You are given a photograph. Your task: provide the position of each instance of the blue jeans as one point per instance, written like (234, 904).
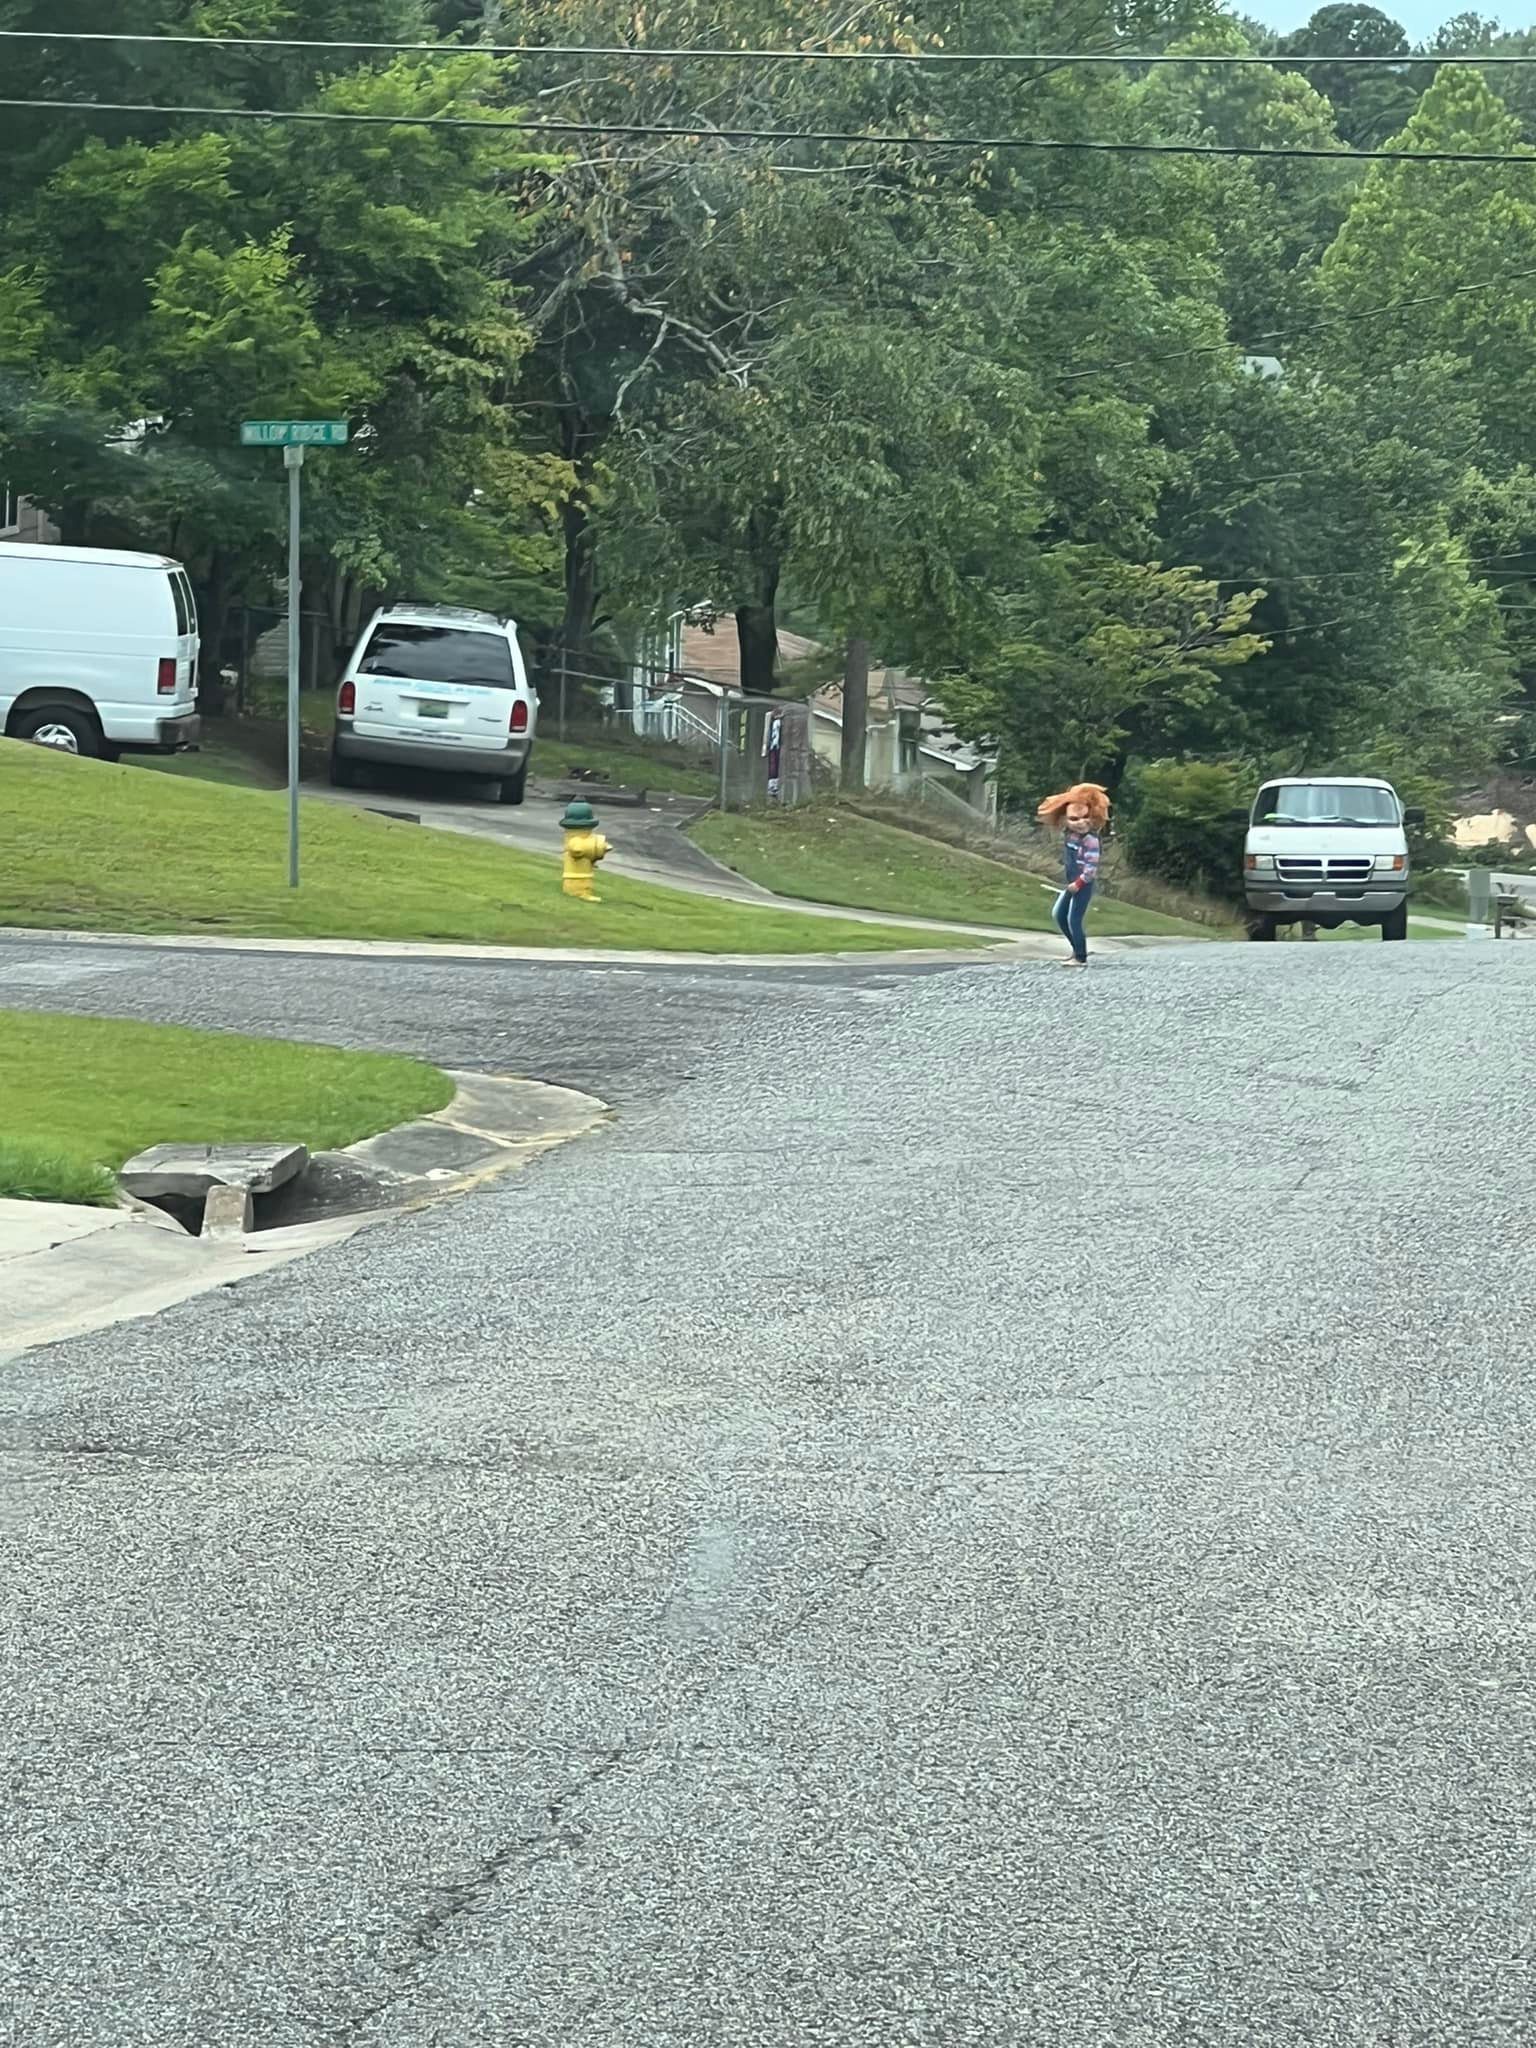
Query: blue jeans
(1069, 914)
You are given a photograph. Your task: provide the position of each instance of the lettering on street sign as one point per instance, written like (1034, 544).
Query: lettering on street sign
(293, 433)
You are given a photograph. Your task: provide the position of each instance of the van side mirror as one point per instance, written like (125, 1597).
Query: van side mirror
(1237, 817)
(1414, 819)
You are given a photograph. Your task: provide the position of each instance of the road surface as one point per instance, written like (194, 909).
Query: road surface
(988, 1506)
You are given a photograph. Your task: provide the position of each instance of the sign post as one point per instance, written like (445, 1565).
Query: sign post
(293, 437)
(293, 462)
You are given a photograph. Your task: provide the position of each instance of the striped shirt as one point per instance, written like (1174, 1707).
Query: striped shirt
(1082, 858)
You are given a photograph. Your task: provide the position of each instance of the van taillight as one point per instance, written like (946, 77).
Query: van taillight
(346, 699)
(165, 681)
(520, 715)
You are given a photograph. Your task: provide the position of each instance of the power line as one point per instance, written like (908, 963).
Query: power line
(846, 138)
(647, 53)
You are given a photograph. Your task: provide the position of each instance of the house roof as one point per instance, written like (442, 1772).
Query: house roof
(712, 654)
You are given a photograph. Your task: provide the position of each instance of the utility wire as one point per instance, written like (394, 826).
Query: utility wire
(646, 53)
(848, 138)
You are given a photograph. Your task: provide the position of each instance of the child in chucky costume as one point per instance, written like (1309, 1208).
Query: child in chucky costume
(1084, 811)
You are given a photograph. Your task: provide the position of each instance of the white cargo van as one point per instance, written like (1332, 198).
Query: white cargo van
(98, 650)
(1328, 850)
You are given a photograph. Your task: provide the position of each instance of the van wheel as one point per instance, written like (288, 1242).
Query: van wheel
(63, 728)
(1395, 924)
(1262, 928)
(343, 771)
(513, 786)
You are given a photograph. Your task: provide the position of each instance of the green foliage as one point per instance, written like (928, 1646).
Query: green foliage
(156, 287)
(1186, 822)
(967, 404)
(1099, 658)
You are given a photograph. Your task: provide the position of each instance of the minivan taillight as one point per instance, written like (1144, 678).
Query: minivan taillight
(346, 699)
(520, 715)
(165, 681)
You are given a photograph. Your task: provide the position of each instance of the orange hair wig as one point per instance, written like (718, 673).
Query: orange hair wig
(1085, 795)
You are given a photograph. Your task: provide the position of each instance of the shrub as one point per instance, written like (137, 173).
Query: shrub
(1185, 821)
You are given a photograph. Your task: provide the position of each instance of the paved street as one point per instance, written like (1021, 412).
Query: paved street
(988, 1506)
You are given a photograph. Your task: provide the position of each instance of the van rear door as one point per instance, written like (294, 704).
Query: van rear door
(452, 684)
(188, 642)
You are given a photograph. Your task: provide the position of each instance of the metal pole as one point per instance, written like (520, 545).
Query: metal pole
(563, 661)
(293, 460)
(725, 729)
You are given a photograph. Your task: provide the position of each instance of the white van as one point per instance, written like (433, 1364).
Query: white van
(438, 687)
(98, 650)
(1328, 850)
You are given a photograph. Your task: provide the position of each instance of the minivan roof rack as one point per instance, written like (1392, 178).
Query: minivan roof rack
(444, 611)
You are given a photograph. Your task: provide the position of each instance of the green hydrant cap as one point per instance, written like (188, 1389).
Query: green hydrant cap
(579, 817)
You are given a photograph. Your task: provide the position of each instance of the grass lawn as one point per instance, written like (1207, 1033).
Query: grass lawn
(82, 1094)
(218, 759)
(630, 764)
(834, 856)
(92, 846)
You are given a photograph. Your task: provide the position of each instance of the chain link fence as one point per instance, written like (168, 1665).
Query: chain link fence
(746, 750)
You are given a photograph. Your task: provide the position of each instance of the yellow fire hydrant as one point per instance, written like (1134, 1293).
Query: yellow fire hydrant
(585, 846)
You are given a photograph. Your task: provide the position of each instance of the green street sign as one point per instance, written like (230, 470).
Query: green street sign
(293, 433)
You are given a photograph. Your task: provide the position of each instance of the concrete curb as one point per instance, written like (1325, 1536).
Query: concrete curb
(1003, 946)
(65, 1271)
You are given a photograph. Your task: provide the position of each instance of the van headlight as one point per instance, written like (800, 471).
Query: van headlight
(1391, 863)
(1261, 864)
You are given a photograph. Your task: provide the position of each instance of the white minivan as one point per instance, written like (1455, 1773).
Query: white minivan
(1328, 850)
(98, 650)
(437, 687)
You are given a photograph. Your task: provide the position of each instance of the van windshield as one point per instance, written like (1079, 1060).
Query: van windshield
(439, 654)
(1325, 803)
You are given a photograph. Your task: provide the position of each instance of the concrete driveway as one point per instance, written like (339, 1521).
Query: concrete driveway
(648, 842)
(989, 1506)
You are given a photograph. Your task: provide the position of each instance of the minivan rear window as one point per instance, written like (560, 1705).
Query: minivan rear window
(1325, 803)
(439, 654)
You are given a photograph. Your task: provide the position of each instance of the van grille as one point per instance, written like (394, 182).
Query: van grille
(1341, 867)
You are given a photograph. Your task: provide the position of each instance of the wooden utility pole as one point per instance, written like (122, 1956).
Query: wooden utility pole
(855, 713)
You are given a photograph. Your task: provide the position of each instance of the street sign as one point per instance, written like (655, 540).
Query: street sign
(293, 437)
(293, 433)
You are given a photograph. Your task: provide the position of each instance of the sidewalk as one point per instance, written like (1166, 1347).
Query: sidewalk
(65, 1270)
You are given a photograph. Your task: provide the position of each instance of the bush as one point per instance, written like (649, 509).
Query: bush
(1185, 821)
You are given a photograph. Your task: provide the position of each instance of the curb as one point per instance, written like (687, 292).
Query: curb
(1006, 946)
(110, 1266)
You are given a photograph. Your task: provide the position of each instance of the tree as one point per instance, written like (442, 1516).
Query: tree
(188, 278)
(1102, 659)
(760, 350)
(1371, 102)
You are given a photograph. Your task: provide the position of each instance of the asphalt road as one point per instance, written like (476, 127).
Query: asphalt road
(986, 1507)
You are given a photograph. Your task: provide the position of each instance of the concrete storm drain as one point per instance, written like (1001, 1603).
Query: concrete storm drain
(228, 1191)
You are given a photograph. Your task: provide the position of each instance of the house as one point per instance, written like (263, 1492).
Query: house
(692, 666)
(21, 520)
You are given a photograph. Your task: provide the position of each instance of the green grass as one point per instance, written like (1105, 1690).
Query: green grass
(89, 846)
(82, 1094)
(633, 764)
(39, 1172)
(219, 759)
(828, 855)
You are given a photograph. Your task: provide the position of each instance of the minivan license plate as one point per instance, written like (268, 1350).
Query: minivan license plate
(431, 710)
